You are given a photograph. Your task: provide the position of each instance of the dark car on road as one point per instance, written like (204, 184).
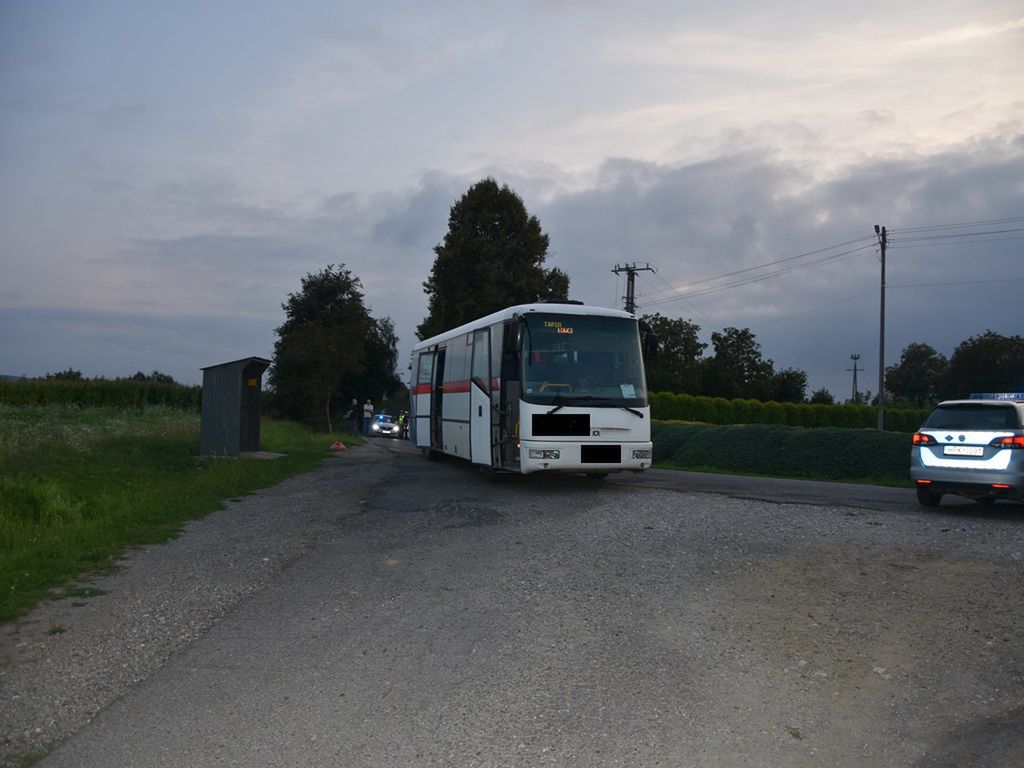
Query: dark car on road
(972, 448)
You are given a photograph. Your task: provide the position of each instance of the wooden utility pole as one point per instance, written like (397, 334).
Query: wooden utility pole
(883, 240)
(631, 270)
(854, 397)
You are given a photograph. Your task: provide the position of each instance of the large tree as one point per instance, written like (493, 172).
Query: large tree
(322, 341)
(915, 378)
(789, 385)
(822, 397)
(377, 379)
(492, 257)
(737, 369)
(987, 363)
(677, 366)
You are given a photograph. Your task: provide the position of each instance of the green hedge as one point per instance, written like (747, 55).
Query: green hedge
(669, 406)
(123, 393)
(778, 450)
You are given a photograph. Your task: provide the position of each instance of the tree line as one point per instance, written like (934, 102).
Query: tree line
(71, 386)
(989, 362)
(736, 369)
(331, 348)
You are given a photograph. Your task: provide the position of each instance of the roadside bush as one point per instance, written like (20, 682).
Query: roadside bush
(827, 453)
(718, 410)
(93, 393)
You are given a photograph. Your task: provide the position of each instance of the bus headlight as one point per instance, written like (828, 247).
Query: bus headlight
(544, 453)
(642, 453)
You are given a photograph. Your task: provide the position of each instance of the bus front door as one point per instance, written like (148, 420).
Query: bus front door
(437, 403)
(480, 399)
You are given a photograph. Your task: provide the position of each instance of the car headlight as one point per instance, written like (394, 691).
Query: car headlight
(642, 453)
(536, 453)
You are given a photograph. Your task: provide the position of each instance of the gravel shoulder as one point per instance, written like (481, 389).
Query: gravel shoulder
(68, 659)
(425, 617)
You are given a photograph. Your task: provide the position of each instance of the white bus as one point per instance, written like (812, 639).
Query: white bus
(536, 387)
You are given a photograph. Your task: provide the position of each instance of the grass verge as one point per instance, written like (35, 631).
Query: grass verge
(79, 486)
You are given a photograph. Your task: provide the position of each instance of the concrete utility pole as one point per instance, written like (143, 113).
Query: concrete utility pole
(883, 240)
(855, 358)
(631, 270)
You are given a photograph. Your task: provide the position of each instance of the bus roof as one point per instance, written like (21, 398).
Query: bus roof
(522, 309)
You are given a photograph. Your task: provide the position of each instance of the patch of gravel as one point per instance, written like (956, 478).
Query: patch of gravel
(68, 659)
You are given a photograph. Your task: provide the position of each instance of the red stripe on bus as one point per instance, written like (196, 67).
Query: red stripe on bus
(452, 387)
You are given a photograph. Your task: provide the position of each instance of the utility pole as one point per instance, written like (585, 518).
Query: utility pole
(631, 270)
(855, 394)
(883, 240)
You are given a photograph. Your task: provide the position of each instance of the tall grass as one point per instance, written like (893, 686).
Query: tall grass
(79, 485)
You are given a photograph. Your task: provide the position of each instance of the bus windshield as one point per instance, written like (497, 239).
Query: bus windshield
(582, 360)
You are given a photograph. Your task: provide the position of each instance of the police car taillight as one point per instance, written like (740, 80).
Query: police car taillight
(922, 439)
(1016, 441)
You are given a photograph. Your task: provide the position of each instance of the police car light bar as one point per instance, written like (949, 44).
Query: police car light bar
(997, 396)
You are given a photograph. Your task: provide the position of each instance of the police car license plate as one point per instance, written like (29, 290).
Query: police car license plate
(964, 450)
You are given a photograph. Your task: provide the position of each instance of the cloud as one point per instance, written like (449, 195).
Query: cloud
(109, 343)
(702, 139)
(213, 295)
(696, 221)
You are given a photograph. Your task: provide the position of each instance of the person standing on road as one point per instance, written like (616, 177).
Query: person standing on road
(367, 416)
(353, 417)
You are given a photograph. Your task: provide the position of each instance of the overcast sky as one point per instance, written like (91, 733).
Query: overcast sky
(170, 171)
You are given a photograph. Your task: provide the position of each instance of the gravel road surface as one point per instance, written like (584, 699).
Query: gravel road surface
(386, 610)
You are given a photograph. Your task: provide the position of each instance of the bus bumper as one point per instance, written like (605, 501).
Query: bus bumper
(550, 456)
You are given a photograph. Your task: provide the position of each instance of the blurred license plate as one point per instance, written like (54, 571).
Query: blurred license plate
(964, 450)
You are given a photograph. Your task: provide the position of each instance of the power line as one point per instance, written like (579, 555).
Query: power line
(693, 309)
(958, 235)
(816, 309)
(985, 223)
(672, 293)
(761, 278)
(875, 290)
(815, 252)
(944, 244)
(915, 241)
(958, 282)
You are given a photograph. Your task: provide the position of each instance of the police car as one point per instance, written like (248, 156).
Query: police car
(384, 424)
(972, 448)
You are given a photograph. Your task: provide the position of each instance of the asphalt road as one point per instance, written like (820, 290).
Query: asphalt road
(420, 615)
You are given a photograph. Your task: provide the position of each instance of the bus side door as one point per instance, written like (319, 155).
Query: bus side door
(480, 399)
(422, 397)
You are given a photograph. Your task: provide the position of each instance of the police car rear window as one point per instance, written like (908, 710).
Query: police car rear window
(980, 417)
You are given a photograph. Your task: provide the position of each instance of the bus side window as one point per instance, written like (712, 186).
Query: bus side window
(482, 360)
(426, 368)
